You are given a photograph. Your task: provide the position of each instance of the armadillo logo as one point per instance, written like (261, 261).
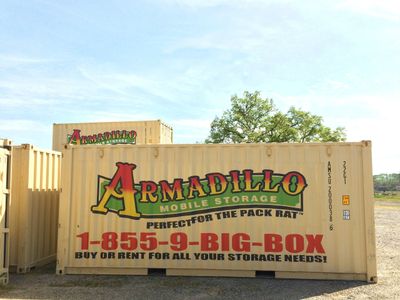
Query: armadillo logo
(108, 137)
(214, 192)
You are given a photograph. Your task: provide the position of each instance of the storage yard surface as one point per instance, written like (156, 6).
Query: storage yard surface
(44, 284)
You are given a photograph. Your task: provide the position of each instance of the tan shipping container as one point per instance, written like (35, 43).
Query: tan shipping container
(34, 207)
(5, 196)
(131, 132)
(298, 210)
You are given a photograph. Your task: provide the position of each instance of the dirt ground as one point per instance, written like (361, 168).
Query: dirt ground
(44, 284)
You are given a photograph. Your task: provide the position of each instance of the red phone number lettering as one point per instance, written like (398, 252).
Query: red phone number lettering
(207, 241)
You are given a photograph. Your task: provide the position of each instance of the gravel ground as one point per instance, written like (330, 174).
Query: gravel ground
(44, 284)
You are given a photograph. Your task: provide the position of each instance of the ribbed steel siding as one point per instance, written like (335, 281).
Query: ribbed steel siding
(166, 134)
(148, 132)
(5, 180)
(34, 209)
(349, 246)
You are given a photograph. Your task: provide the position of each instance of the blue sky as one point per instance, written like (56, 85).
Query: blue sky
(181, 61)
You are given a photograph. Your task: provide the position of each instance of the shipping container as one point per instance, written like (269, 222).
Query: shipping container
(34, 207)
(5, 196)
(296, 210)
(131, 132)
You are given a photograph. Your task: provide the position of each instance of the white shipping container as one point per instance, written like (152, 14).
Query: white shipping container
(298, 210)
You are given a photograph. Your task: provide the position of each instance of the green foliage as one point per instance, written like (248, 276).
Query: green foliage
(386, 182)
(252, 119)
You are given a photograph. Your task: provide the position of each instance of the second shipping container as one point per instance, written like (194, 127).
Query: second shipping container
(34, 207)
(130, 132)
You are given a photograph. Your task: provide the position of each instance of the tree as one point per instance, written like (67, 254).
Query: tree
(252, 119)
(387, 182)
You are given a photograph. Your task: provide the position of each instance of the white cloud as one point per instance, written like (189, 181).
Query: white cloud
(365, 117)
(241, 36)
(113, 81)
(178, 87)
(15, 102)
(244, 40)
(337, 85)
(22, 125)
(213, 3)
(13, 60)
(385, 146)
(107, 116)
(190, 130)
(192, 123)
(24, 131)
(122, 82)
(46, 87)
(386, 9)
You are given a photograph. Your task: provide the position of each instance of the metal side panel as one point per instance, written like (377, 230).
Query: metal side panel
(34, 209)
(5, 196)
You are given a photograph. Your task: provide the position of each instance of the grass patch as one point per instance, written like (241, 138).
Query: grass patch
(389, 196)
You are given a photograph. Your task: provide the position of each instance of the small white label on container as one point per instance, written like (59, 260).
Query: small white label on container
(346, 214)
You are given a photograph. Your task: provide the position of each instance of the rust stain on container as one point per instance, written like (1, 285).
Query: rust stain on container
(34, 207)
(227, 210)
(131, 132)
(5, 196)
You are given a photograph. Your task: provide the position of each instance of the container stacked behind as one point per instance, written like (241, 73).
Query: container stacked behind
(146, 132)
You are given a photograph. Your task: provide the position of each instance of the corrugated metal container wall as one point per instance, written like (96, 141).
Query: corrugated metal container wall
(34, 207)
(5, 180)
(166, 134)
(299, 210)
(132, 132)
